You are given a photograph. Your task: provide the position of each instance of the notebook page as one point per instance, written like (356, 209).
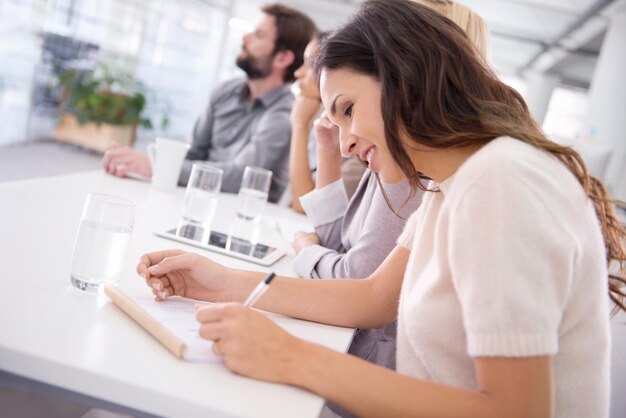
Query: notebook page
(179, 316)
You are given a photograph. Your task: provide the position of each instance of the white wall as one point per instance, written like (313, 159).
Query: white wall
(606, 117)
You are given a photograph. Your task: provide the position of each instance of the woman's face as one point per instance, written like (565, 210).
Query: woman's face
(352, 102)
(305, 75)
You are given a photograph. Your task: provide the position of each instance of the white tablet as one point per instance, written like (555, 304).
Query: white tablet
(222, 243)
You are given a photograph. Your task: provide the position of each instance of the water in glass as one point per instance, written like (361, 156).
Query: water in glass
(251, 204)
(199, 207)
(99, 255)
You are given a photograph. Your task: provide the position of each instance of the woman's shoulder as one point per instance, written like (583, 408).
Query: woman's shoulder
(508, 171)
(507, 154)
(517, 163)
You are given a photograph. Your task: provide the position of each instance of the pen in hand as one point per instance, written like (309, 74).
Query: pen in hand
(259, 290)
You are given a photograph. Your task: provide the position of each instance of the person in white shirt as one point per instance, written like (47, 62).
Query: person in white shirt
(353, 237)
(500, 280)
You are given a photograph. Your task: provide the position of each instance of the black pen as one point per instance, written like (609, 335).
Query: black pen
(259, 290)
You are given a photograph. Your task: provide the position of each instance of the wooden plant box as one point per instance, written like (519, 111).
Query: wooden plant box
(93, 136)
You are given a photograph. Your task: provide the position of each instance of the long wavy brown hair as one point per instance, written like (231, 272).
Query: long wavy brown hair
(436, 89)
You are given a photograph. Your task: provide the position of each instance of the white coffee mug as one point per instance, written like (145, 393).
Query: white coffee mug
(166, 157)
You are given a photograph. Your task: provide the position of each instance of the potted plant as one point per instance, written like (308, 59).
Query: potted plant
(100, 108)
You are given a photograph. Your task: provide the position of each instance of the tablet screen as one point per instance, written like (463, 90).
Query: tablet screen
(223, 241)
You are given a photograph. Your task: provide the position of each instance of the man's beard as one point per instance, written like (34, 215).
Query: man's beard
(255, 68)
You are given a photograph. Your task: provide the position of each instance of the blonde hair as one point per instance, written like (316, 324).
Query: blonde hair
(468, 20)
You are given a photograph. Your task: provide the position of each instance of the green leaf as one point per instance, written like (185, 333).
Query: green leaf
(165, 122)
(146, 123)
(108, 95)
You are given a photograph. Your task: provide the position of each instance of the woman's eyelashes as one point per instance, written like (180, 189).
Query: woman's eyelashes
(348, 112)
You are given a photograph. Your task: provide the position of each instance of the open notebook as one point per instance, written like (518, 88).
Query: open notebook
(172, 322)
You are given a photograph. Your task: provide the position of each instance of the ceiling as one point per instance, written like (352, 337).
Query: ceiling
(557, 36)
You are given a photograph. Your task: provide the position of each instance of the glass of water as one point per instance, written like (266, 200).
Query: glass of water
(255, 187)
(203, 189)
(102, 242)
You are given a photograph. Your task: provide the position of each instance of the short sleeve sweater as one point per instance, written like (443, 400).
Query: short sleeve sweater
(508, 260)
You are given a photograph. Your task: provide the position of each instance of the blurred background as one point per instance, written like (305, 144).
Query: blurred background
(567, 57)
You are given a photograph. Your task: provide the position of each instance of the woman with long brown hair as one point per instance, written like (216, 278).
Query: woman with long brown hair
(499, 281)
(352, 238)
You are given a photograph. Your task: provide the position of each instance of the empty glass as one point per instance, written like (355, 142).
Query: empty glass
(102, 242)
(255, 187)
(203, 189)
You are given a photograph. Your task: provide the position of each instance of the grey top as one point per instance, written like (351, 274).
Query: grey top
(354, 245)
(234, 133)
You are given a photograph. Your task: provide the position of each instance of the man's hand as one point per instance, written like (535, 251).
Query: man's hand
(126, 162)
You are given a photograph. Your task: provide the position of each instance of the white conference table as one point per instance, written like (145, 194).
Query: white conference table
(53, 333)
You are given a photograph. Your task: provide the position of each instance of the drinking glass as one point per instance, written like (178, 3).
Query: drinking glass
(203, 188)
(102, 242)
(255, 187)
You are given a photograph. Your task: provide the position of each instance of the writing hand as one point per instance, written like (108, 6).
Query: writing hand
(251, 344)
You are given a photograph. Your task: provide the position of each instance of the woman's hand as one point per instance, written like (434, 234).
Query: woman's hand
(327, 135)
(328, 152)
(303, 239)
(176, 272)
(251, 344)
(304, 110)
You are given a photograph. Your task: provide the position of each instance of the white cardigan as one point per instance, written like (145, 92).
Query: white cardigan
(508, 261)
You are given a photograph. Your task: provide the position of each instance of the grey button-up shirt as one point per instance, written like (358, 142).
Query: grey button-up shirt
(234, 133)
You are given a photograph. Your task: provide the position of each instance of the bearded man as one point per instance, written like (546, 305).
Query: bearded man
(247, 120)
